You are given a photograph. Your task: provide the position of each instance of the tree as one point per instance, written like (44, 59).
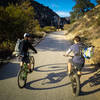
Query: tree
(73, 16)
(16, 20)
(81, 7)
(7, 2)
(98, 1)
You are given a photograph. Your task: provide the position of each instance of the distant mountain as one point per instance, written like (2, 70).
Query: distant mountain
(45, 15)
(65, 20)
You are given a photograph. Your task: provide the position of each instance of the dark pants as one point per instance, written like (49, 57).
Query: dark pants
(78, 65)
(25, 59)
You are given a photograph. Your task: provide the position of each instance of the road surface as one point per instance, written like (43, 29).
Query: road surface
(49, 81)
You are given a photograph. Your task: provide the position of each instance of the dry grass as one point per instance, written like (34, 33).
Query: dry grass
(89, 29)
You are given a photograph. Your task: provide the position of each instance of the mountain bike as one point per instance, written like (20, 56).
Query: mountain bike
(23, 72)
(75, 79)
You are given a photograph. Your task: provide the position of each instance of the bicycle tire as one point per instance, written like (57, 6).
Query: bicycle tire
(75, 85)
(32, 62)
(21, 79)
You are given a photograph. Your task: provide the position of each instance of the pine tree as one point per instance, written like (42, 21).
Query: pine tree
(98, 1)
(82, 6)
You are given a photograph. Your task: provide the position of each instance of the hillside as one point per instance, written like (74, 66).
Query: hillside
(45, 15)
(87, 27)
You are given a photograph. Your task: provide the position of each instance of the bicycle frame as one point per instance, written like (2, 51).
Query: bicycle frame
(22, 76)
(23, 72)
(75, 80)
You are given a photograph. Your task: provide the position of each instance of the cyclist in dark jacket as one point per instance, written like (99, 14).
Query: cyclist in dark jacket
(24, 50)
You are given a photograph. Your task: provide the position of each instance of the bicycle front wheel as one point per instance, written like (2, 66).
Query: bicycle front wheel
(75, 85)
(32, 62)
(22, 77)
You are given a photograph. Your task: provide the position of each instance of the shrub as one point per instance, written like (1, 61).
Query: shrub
(7, 45)
(6, 48)
(98, 21)
(49, 29)
(73, 26)
(16, 20)
(96, 57)
(66, 26)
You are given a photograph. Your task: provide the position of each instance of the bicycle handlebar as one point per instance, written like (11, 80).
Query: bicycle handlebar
(68, 56)
(16, 54)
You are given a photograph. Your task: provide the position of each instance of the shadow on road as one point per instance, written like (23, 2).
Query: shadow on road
(57, 74)
(52, 44)
(9, 70)
(51, 78)
(88, 69)
(51, 67)
(55, 77)
(92, 81)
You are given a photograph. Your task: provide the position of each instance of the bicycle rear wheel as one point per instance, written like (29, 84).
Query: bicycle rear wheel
(32, 62)
(75, 85)
(22, 78)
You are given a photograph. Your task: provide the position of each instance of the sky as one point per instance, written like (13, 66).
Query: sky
(61, 7)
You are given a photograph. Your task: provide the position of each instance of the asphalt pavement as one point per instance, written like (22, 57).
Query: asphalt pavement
(49, 80)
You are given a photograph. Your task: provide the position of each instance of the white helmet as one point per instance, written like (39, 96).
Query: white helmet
(26, 35)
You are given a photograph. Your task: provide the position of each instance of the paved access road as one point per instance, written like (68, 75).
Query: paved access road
(49, 81)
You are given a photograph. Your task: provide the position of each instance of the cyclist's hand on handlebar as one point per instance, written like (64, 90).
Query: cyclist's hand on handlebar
(65, 55)
(36, 52)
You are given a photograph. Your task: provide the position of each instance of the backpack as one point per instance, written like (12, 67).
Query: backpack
(18, 47)
(88, 52)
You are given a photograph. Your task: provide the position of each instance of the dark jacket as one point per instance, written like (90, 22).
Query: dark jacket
(25, 46)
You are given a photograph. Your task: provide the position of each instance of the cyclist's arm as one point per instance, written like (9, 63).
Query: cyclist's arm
(68, 52)
(31, 47)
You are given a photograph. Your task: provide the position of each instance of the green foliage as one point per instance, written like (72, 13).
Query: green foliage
(98, 21)
(49, 29)
(80, 8)
(73, 17)
(8, 45)
(38, 28)
(98, 1)
(67, 26)
(14, 22)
